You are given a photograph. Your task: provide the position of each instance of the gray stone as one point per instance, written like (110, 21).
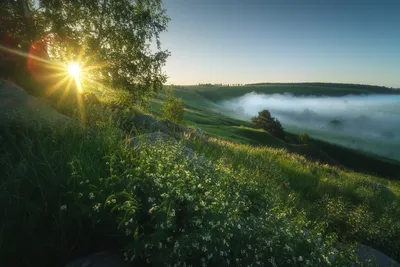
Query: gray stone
(370, 255)
(149, 122)
(17, 106)
(381, 188)
(101, 259)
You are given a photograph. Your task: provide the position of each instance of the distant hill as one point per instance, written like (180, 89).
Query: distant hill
(371, 88)
(218, 93)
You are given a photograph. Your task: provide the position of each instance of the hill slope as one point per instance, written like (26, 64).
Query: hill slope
(69, 190)
(204, 113)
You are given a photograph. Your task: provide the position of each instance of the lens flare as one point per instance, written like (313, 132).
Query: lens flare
(74, 70)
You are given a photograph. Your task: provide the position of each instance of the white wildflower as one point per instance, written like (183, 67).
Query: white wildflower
(63, 207)
(97, 207)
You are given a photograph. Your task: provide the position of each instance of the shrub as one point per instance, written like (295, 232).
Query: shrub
(173, 108)
(265, 121)
(304, 138)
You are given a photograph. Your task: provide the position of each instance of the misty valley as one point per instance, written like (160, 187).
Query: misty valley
(370, 123)
(199, 133)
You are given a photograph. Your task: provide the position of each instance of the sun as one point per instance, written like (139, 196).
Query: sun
(74, 70)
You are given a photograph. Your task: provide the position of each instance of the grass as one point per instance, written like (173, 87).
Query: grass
(201, 112)
(69, 190)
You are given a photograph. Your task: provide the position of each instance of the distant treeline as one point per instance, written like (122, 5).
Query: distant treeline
(218, 84)
(337, 85)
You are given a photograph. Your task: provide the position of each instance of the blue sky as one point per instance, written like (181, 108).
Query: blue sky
(232, 41)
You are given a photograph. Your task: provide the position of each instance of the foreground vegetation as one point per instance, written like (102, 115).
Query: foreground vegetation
(69, 190)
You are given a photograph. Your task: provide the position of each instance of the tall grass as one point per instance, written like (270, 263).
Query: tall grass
(357, 207)
(68, 190)
(72, 189)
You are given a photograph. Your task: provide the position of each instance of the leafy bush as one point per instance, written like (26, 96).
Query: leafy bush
(304, 138)
(173, 109)
(265, 121)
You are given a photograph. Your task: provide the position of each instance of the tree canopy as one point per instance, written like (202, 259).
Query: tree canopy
(118, 41)
(265, 121)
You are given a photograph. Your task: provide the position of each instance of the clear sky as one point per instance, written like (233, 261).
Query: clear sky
(246, 41)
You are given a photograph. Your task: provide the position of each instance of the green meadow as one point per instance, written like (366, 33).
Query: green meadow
(243, 198)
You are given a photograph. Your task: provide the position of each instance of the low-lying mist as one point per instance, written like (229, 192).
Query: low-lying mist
(367, 122)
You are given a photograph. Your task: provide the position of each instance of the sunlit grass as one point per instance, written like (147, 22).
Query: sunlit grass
(71, 189)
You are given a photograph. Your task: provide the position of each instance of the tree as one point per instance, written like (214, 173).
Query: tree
(265, 121)
(304, 138)
(173, 108)
(113, 38)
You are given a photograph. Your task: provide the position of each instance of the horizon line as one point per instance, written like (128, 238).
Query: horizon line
(278, 83)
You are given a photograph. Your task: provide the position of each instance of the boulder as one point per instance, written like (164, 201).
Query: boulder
(382, 189)
(101, 259)
(149, 122)
(369, 255)
(17, 106)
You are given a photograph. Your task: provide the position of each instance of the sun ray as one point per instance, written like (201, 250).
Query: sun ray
(56, 86)
(24, 54)
(66, 90)
(71, 73)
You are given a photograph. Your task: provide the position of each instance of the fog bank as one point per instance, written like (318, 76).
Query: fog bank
(368, 122)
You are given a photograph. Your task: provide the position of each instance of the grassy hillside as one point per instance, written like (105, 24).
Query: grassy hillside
(73, 189)
(203, 113)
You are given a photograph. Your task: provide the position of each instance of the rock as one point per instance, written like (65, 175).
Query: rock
(149, 122)
(370, 255)
(197, 134)
(101, 259)
(16, 105)
(382, 189)
(173, 126)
